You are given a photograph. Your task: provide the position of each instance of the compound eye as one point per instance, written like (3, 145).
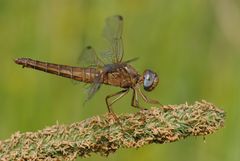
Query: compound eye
(150, 80)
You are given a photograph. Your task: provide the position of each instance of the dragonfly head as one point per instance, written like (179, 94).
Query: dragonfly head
(150, 80)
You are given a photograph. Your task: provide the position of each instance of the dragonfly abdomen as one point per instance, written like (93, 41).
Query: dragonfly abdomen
(86, 75)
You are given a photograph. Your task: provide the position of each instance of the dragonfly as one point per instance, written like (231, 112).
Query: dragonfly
(108, 68)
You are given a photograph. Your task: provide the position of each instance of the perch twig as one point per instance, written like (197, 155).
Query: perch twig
(104, 135)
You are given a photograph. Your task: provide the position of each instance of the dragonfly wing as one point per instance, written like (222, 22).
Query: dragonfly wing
(89, 58)
(113, 33)
(107, 56)
(95, 86)
(91, 90)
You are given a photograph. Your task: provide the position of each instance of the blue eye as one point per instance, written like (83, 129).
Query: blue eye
(150, 80)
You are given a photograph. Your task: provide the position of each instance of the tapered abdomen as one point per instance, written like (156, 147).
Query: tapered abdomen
(86, 75)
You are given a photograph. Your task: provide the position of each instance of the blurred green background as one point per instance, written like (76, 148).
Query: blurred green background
(194, 46)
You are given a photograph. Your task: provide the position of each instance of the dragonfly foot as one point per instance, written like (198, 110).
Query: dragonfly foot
(114, 116)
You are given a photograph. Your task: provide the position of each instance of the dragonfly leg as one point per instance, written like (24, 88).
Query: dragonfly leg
(120, 93)
(135, 102)
(146, 99)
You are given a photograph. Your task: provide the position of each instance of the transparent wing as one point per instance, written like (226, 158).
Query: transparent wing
(106, 56)
(113, 33)
(91, 90)
(89, 58)
(95, 86)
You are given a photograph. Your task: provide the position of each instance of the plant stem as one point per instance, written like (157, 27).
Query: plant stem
(105, 134)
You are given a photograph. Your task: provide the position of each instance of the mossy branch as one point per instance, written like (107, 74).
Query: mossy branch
(104, 135)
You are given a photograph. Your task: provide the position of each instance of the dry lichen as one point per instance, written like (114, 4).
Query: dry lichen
(104, 135)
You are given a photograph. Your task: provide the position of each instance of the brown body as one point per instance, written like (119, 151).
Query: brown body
(125, 76)
(117, 73)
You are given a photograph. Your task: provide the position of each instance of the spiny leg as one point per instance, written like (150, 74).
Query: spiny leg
(120, 93)
(135, 102)
(146, 99)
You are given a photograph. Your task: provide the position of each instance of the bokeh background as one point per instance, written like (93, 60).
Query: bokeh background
(194, 46)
